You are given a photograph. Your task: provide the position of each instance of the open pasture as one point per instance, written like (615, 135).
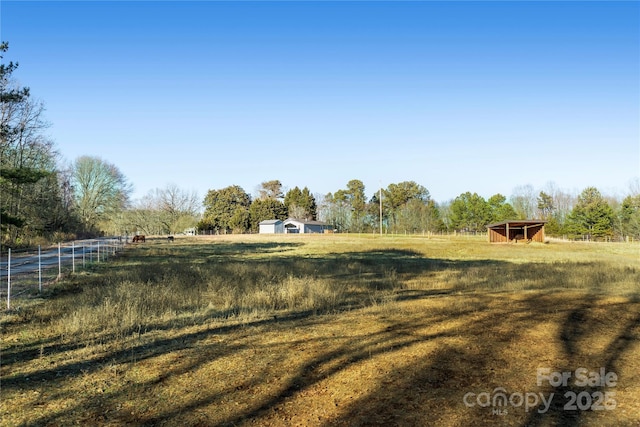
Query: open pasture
(331, 330)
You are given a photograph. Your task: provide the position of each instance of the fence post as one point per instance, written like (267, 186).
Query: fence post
(73, 257)
(83, 256)
(39, 269)
(98, 250)
(9, 279)
(59, 261)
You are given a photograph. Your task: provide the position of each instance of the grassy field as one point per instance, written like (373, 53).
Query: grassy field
(332, 330)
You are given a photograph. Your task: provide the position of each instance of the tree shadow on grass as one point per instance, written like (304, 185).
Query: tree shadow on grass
(469, 368)
(332, 266)
(587, 392)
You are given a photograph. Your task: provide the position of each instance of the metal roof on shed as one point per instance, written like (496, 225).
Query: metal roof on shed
(517, 223)
(269, 222)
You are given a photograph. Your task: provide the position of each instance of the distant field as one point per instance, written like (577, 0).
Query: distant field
(332, 330)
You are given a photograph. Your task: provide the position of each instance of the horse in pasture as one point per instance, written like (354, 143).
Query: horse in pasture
(170, 239)
(139, 238)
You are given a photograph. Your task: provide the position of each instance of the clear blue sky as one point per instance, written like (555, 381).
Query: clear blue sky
(457, 96)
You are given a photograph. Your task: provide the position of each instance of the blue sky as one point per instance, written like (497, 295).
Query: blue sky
(457, 96)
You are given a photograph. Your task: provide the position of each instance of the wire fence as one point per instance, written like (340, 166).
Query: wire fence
(29, 272)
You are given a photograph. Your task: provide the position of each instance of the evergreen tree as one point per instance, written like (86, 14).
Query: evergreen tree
(358, 204)
(226, 210)
(630, 216)
(591, 216)
(265, 209)
(545, 205)
(300, 204)
(470, 212)
(500, 210)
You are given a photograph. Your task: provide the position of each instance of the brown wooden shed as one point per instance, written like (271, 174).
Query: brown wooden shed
(528, 230)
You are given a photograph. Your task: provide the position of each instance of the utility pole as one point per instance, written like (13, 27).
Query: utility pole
(380, 210)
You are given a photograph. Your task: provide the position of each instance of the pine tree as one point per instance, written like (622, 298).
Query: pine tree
(630, 216)
(592, 216)
(470, 212)
(500, 210)
(300, 204)
(265, 209)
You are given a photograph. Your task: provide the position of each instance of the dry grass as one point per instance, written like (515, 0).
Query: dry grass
(326, 330)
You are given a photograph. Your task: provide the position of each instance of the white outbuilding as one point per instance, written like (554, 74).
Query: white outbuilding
(303, 226)
(271, 226)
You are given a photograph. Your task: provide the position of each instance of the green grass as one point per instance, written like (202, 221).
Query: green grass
(136, 333)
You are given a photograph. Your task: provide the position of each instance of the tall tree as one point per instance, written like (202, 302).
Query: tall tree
(179, 208)
(164, 210)
(10, 177)
(346, 209)
(394, 201)
(100, 191)
(226, 210)
(630, 216)
(397, 195)
(469, 212)
(524, 201)
(300, 204)
(271, 190)
(548, 211)
(265, 209)
(418, 216)
(559, 207)
(27, 163)
(500, 210)
(357, 201)
(546, 206)
(373, 214)
(591, 216)
(444, 210)
(336, 210)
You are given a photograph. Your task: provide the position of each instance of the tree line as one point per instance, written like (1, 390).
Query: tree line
(407, 207)
(43, 200)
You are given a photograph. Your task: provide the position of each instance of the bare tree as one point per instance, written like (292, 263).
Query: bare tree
(562, 200)
(100, 191)
(166, 210)
(525, 201)
(179, 208)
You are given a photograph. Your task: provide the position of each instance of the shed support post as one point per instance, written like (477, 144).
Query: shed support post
(507, 228)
